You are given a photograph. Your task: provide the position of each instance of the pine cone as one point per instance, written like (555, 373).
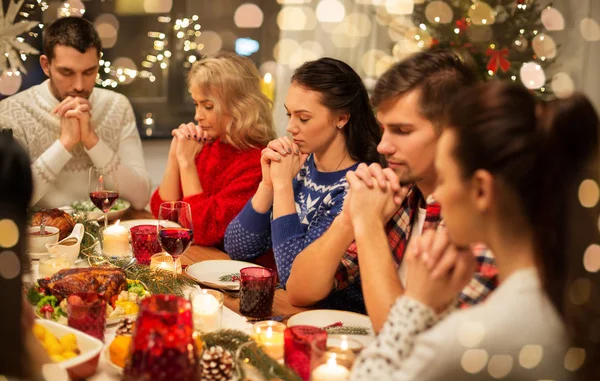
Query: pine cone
(216, 364)
(125, 327)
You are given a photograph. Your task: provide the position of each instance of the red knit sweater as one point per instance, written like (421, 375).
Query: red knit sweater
(229, 178)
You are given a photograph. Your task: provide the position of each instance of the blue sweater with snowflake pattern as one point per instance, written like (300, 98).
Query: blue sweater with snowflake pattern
(319, 198)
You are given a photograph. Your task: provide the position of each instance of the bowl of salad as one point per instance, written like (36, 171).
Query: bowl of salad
(93, 213)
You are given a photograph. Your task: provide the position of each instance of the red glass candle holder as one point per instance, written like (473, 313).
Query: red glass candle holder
(144, 241)
(87, 313)
(257, 289)
(298, 343)
(163, 347)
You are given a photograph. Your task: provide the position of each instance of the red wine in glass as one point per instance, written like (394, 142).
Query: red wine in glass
(175, 241)
(175, 228)
(104, 200)
(103, 189)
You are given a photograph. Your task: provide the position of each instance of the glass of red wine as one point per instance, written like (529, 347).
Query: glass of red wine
(103, 188)
(174, 239)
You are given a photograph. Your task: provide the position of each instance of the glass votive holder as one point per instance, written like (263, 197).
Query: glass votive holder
(299, 341)
(327, 365)
(114, 241)
(144, 242)
(342, 343)
(87, 313)
(162, 261)
(53, 263)
(257, 289)
(163, 345)
(269, 336)
(207, 309)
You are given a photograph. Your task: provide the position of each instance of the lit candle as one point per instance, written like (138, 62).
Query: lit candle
(269, 334)
(207, 307)
(163, 261)
(115, 241)
(52, 264)
(330, 371)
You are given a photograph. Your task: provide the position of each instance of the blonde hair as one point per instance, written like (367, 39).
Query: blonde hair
(235, 83)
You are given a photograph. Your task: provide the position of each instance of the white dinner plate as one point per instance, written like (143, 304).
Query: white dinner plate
(323, 318)
(131, 223)
(209, 272)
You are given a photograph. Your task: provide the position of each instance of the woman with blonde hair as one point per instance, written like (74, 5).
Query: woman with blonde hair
(214, 165)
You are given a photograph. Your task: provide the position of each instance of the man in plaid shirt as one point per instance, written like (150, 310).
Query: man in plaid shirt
(410, 99)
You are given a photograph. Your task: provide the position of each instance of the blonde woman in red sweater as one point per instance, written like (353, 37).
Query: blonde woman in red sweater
(214, 164)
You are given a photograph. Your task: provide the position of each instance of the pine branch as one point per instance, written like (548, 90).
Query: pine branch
(233, 340)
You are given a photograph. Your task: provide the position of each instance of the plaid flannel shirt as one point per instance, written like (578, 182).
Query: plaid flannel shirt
(398, 231)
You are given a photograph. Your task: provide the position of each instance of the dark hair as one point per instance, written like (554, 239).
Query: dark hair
(437, 73)
(16, 187)
(538, 151)
(342, 90)
(74, 32)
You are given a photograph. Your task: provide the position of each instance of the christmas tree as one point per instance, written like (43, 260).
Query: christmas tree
(506, 38)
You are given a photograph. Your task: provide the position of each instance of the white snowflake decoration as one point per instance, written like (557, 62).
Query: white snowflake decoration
(11, 45)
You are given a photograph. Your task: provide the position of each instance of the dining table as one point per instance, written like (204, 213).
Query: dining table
(281, 304)
(231, 318)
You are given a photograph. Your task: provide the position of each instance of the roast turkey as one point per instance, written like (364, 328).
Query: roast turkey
(107, 281)
(54, 217)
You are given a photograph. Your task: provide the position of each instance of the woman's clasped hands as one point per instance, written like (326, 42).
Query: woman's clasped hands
(281, 161)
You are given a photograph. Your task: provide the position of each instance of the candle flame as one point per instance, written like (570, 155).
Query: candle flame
(101, 181)
(331, 362)
(269, 333)
(344, 343)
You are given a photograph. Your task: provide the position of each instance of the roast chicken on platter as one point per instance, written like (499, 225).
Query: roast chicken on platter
(103, 280)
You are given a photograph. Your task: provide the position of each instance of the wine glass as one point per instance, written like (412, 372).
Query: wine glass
(175, 240)
(103, 188)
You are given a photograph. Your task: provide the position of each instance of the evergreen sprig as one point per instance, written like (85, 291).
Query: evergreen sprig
(249, 352)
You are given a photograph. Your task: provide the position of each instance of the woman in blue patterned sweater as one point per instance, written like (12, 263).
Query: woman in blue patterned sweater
(303, 186)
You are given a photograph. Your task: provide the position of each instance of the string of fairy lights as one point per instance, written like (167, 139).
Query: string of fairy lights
(185, 31)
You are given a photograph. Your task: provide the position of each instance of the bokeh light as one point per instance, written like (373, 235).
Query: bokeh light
(531, 356)
(10, 82)
(580, 291)
(107, 26)
(399, 7)
(471, 333)
(10, 265)
(248, 15)
(544, 46)
(9, 233)
(562, 85)
(474, 360)
(481, 13)
(439, 12)
(552, 19)
(532, 75)
(574, 359)
(589, 193)
(590, 29)
(330, 11)
(591, 258)
(500, 366)
(158, 6)
(209, 42)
